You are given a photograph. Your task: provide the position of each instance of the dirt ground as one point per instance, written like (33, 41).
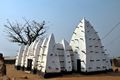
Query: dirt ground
(21, 75)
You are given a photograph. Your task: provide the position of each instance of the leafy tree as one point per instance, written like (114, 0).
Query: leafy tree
(25, 33)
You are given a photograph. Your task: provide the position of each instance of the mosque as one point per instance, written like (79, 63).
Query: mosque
(84, 54)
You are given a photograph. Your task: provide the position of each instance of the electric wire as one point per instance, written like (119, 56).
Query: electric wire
(113, 40)
(111, 31)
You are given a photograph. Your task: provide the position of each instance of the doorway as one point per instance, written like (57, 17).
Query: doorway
(78, 65)
(29, 64)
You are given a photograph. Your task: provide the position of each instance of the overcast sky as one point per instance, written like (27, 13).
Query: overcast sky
(62, 16)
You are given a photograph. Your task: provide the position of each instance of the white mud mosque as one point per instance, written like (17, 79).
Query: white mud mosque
(84, 54)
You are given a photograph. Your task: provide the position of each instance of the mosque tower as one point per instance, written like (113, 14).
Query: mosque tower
(89, 54)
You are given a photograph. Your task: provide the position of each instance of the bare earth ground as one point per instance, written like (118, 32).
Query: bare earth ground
(20, 75)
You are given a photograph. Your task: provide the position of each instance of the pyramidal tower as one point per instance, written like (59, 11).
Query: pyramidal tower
(67, 56)
(89, 54)
(30, 56)
(37, 49)
(19, 57)
(24, 56)
(49, 60)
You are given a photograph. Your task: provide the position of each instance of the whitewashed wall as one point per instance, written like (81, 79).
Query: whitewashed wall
(87, 47)
(19, 56)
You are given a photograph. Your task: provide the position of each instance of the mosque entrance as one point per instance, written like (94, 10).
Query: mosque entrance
(78, 65)
(29, 64)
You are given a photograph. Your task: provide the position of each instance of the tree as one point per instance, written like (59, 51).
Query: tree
(25, 33)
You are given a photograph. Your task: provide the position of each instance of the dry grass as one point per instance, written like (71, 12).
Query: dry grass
(20, 75)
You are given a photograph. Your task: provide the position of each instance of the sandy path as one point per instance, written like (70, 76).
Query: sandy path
(20, 75)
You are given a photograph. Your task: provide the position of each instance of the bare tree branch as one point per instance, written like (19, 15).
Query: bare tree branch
(26, 33)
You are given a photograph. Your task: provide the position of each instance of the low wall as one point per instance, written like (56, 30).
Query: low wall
(10, 61)
(116, 62)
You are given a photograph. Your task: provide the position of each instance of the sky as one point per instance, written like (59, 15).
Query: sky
(61, 17)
